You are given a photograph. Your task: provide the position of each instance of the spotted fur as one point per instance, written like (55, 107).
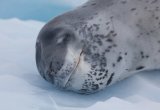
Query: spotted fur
(99, 44)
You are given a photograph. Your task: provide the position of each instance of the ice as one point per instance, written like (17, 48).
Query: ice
(22, 88)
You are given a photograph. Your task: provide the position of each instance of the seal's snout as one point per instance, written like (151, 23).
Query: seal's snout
(57, 53)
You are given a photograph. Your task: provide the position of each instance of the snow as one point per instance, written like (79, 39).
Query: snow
(22, 88)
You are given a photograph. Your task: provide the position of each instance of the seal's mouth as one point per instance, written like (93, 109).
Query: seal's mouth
(74, 69)
(64, 75)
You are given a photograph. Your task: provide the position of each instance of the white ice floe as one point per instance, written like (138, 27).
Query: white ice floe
(22, 88)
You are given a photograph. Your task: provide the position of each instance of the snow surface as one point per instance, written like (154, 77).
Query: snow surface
(22, 88)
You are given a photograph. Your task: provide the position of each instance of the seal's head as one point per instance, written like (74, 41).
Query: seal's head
(98, 44)
(71, 51)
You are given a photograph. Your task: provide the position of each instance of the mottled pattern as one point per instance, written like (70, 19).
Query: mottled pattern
(100, 43)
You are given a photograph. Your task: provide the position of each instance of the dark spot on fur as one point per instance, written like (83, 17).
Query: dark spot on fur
(107, 23)
(111, 17)
(89, 75)
(157, 8)
(93, 4)
(95, 87)
(95, 56)
(147, 56)
(99, 42)
(84, 6)
(123, 2)
(103, 62)
(148, 33)
(119, 59)
(141, 34)
(105, 75)
(95, 73)
(157, 18)
(112, 31)
(99, 78)
(96, 26)
(96, 13)
(145, 8)
(154, 1)
(133, 9)
(109, 40)
(96, 70)
(110, 79)
(93, 66)
(140, 67)
(100, 74)
(107, 50)
(91, 17)
(89, 29)
(142, 54)
(102, 70)
(115, 34)
(110, 47)
(113, 64)
(114, 45)
(151, 31)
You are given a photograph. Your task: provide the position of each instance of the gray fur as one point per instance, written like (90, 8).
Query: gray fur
(100, 43)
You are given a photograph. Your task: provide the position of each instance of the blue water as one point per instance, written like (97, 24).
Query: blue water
(41, 10)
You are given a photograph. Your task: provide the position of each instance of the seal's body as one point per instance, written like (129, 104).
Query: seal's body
(100, 43)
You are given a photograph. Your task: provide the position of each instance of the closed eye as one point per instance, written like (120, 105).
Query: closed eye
(64, 38)
(60, 40)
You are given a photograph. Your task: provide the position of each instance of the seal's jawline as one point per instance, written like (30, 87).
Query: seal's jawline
(74, 69)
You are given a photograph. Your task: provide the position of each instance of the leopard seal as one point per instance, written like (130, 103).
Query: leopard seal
(99, 43)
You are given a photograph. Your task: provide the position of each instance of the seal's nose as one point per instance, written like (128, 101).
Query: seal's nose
(56, 54)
